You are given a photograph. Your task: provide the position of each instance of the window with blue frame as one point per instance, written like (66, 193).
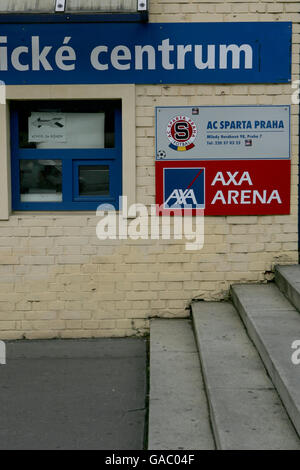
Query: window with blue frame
(66, 155)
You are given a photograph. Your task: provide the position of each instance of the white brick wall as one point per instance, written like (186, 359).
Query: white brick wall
(58, 280)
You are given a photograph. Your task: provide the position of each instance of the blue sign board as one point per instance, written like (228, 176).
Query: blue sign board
(257, 52)
(184, 188)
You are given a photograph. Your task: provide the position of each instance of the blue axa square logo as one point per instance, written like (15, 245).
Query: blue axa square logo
(184, 188)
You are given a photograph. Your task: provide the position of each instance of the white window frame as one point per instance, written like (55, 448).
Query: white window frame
(125, 93)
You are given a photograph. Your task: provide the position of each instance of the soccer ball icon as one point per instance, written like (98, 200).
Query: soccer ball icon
(161, 154)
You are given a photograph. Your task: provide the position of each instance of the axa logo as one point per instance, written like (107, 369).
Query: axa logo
(184, 188)
(179, 197)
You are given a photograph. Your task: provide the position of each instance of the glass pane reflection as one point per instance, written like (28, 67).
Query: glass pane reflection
(41, 180)
(93, 180)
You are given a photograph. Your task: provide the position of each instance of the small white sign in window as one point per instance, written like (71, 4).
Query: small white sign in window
(47, 127)
(82, 130)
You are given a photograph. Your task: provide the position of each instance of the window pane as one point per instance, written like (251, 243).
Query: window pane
(41, 180)
(66, 130)
(67, 124)
(93, 180)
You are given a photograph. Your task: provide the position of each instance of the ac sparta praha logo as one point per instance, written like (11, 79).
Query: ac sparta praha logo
(181, 132)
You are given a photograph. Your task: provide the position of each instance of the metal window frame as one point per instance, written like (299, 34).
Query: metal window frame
(69, 157)
(113, 186)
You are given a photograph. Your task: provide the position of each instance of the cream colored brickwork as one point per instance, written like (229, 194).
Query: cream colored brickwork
(58, 280)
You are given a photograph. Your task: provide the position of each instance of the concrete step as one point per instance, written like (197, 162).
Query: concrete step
(287, 279)
(273, 324)
(178, 411)
(246, 412)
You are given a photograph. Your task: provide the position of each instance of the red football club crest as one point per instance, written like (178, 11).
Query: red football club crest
(181, 132)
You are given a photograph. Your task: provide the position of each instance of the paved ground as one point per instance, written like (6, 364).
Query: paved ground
(73, 394)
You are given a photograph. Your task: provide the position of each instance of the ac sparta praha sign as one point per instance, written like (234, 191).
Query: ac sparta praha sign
(223, 187)
(222, 132)
(181, 132)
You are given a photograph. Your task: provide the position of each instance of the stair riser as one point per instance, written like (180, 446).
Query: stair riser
(245, 409)
(289, 291)
(271, 368)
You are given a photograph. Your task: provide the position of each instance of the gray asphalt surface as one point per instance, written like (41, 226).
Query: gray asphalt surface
(73, 394)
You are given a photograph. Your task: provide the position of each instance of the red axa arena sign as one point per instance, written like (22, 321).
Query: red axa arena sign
(231, 187)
